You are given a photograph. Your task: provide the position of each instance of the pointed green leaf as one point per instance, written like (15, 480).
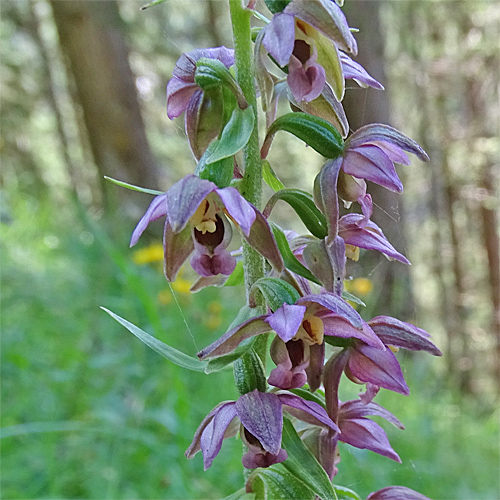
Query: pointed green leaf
(152, 4)
(321, 135)
(303, 464)
(276, 292)
(344, 493)
(234, 136)
(289, 259)
(270, 177)
(352, 298)
(277, 483)
(276, 6)
(132, 187)
(177, 357)
(303, 204)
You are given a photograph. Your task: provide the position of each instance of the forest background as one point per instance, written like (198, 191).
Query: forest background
(90, 412)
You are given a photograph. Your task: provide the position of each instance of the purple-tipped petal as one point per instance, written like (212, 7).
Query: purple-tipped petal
(325, 16)
(279, 37)
(366, 234)
(307, 411)
(396, 493)
(378, 367)
(357, 409)
(157, 209)
(367, 435)
(184, 198)
(261, 239)
(394, 152)
(384, 133)
(185, 68)
(336, 326)
(238, 208)
(233, 338)
(286, 320)
(333, 305)
(392, 331)
(261, 413)
(354, 71)
(177, 248)
(331, 380)
(215, 432)
(371, 163)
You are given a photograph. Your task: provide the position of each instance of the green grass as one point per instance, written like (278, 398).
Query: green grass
(90, 412)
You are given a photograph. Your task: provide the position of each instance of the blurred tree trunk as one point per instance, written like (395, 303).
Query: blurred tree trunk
(90, 34)
(365, 106)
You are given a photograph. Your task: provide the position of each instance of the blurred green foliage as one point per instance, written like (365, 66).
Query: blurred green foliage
(90, 412)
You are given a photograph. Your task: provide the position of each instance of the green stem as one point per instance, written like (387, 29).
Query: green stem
(253, 262)
(252, 185)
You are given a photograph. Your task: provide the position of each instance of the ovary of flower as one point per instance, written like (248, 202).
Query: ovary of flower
(311, 331)
(204, 219)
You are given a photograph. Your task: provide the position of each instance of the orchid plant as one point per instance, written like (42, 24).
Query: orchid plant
(289, 417)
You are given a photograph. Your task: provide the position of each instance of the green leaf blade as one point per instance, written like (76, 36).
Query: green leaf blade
(126, 185)
(302, 464)
(173, 355)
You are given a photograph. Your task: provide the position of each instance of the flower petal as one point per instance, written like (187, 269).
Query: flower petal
(157, 209)
(286, 320)
(354, 71)
(179, 94)
(396, 493)
(366, 234)
(195, 445)
(261, 239)
(325, 16)
(215, 432)
(334, 305)
(336, 326)
(378, 367)
(371, 163)
(392, 331)
(367, 435)
(291, 359)
(261, 413)
(305, 82)
(314, 371)
(238, 208)
(177, 248)
(233, 338)
(307, 411)
(357, 409)
(183, 199)
(279, 37)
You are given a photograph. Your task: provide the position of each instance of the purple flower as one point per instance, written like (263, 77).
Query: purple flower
(197, 214)
(305, 36)
(371, 152)
(304, 323)
(362, 363)
(204, 110)
(182, 87)
(261, 417)
(359, 233)
(363, 433)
